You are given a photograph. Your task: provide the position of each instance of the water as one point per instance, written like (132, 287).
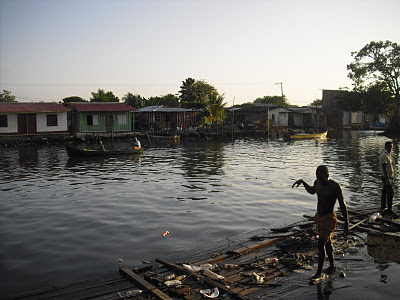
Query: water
(64, 220)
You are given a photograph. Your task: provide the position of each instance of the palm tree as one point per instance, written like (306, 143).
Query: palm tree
(188, 91)
(215, 107)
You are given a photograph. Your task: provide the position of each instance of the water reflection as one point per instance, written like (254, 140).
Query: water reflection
(102, 209)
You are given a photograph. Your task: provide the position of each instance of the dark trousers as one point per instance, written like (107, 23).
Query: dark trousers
(387, 194)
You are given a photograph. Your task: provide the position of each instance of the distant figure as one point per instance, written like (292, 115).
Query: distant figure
(102, 146)
(136, 144)
(328, 191)
(387, 174)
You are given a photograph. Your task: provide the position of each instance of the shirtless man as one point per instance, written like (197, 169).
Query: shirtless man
(328, 191)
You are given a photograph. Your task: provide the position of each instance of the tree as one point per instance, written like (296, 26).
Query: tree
(101, 96)
(194, 93)
(373, 100)
(378, 63)
(215, 107)
(316, 103)
(169, 100)
(275, 100)
(73, 99)
(6, 96)
(135, 101)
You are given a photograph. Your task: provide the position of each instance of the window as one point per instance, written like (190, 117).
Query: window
(52, 120)
(122, 120)
(157, 118)
(3, 121)
(92, 120)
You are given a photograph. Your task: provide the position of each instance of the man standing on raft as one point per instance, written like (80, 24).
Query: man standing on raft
(328, 191)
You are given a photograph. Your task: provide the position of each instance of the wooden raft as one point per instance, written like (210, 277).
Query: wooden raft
(239, 267)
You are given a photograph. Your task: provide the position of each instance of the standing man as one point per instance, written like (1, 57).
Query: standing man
(387, 174)
(328, 191)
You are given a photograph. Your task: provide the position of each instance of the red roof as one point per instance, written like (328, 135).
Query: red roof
(101, 106)
(20, 107)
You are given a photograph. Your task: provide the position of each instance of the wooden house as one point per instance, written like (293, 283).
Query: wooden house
(23, 119)
(101, 118)
(162, 118)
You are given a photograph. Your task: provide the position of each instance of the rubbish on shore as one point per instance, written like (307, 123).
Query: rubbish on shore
(212, 275)
(146, 262)
(259, 279)
(342, 274)
(271, 261)
(214, 293)
(169, 277)
(231, 266)
(129, 294)
(172, 282)
(165, 233)
(181, 277)
(375, 216)
(120, 260)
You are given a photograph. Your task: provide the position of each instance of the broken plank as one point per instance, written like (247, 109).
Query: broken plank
(202, 277)
(143, 283)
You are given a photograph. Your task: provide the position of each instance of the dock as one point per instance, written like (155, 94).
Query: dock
(262, 264)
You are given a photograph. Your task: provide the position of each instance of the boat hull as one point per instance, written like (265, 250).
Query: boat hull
(76, 152)
(310, 135)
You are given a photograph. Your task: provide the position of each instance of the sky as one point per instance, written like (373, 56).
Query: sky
(53, 49)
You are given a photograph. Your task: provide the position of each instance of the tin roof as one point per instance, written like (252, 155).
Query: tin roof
(162, 108)
(100, 106)
(31, 107)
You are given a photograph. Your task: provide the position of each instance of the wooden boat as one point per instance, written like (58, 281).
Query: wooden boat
(76, 152)
(321, 135)
(378, 126)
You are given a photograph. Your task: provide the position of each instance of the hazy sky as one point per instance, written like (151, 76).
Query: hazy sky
(52, 49)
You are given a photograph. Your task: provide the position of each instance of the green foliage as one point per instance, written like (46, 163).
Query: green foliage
(195, 93)
(275, 100)
(376, 71)
(6, 96)
(169, 100)
(215, 107)
(316, 103)
(73, 99)
(374, 100)
(135, 101)
(101, 96)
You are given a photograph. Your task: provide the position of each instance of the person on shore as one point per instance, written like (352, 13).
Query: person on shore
(136, 144)
(387, 174)
(328, 191)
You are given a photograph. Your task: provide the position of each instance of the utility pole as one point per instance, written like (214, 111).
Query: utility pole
(281, 83)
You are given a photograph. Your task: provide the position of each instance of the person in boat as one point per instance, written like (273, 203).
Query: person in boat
(328, 191)
(387, 174)
(136, 144)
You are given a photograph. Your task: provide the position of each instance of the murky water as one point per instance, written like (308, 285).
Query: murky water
(64, 220)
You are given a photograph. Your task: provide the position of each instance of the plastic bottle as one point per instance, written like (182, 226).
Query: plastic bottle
(374, 217)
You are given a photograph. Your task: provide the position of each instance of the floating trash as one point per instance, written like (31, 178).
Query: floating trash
(374, 217)
(165, 233)
(257, 278)
(172, 282)
(214, 293)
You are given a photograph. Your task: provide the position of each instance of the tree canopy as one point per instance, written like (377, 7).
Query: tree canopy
(377, 66)
(101, 96)
(195, 93)
(135, 101)
(275, 100)
(6, 96)
(73, 99)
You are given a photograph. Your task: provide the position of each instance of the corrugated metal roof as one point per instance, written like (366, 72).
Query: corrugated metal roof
(101, 106)
(162, 108)
(31, 107)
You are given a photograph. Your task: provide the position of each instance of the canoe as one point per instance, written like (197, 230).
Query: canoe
(76, 152)
(321, 135)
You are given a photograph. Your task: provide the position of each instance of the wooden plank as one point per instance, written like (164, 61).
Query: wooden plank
(199, 276)
(143, 283)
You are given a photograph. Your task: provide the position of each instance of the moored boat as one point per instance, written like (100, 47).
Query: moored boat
(321, 135)
(76, 152)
